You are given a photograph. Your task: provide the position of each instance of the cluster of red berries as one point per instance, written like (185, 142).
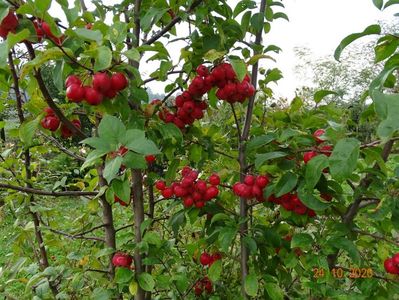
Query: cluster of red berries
(207, 259)
(123, 260)
(203, 285)
(291, 202)
(192, 191)
(102, 86)
(230, 89)
(190, 107)
(321, 149)
(252, 187)
(43, 31)
(391, 264)
(51, 122)
(8, 24)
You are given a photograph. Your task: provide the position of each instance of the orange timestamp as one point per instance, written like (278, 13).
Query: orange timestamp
(353, 273)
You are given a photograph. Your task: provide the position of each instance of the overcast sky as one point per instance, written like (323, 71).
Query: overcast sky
(316, 24)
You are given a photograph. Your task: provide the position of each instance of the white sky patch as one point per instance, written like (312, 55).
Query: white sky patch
(319, 25)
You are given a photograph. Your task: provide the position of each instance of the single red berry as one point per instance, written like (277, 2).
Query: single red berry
(326, 150)
(395, 259)
(10, 22)
(101, 82)
(167, 193)
(307, 156)
(160, 185)
(317, 135)
(72, 79)
(122, 260)
(188, 201)
(75, 92)
(49, 111)
(390, 266)
(51, 123)
(326, 197)
(262, 181)
(202, 71)
(214, 179)
(211, 193)
(205, 259)
(185, 171)
(249, 180)
(199, 204)
(119, 81)
(150, 158)
(92, 96)
(200, 186)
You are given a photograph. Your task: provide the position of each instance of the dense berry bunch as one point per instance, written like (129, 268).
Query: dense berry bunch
(103, 86)
(207, 259)
(291, 202)
(189, 106)
(320, 149)
(252, 187)
(203, 285)
(229, 88)
(8, 24)
(192, 190)
(43, 31)
(52, 123)
(121, 259)
(391, 264)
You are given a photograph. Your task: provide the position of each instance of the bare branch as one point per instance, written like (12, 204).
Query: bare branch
(62, 148)
(172, 23)
(30, 190)
(75, 237)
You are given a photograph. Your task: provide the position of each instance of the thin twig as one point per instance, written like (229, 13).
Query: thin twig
(79, 237)
(62, 148)
(29, 190)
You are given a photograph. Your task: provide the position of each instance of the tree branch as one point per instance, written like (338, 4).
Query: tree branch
(376, 236)
(172, 23)
(62, 148)
(75, 237)
(30, 190)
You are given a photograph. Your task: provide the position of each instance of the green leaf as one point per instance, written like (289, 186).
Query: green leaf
(280, 15)
(219, 217)
(319, 95)
(254, 59)
(146, 282)
(134, 161)
(239, 67)
(262, 158)
(261, 140)
(257, 21)
(372, 29)
(43, 5)
(27, 131)
(215, 270)
(133, 287)
(342, 243)
(251, 285)
(390, 2)
(170, 131)
(386, 46)
(89, 34)
(104, 252)
(101, 294)
(111, 168)
(132, 54)
(226, 237)
(153, 238)
(103, 58)
(122, 189)
(302, 240)
(123, 275)
(286, 184)
(99, 144)
(273, 75)
(4, 8)
(343, 159)
(390, 65)
(13, 39)
(152, 16)
(92, 157)
(378, 3)
(274, 291)
(310, 200)
(137, 142)
(314, 169)
(112, 129)
(387, 108)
